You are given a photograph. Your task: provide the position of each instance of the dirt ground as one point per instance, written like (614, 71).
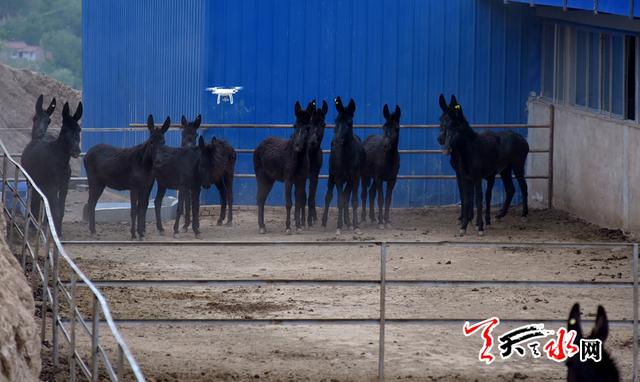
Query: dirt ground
(435, 351)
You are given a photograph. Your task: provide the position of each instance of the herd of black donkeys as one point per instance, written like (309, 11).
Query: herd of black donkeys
(197, 164)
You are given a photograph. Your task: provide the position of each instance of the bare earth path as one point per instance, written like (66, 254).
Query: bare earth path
(436, 351)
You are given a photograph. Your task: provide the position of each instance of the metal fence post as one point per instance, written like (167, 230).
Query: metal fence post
(383, 278)
(14, 207)
(4, 180)
(635, 312)
(72, 334)
(45, 287)
(27, 221)
(95, 338)
(55, 306)
(552, 117)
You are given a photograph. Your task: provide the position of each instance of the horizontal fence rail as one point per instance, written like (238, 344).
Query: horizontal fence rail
(42, 255)
(382, 281)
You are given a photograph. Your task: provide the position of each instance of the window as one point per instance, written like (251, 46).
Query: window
(589, 68)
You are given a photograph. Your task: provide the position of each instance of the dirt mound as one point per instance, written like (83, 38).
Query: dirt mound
(20, 89)
(19, 336)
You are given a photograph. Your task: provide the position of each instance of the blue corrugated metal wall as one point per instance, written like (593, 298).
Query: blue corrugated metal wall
(158, 57)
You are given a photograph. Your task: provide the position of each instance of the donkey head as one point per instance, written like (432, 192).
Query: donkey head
(301, 125)
(70, 131)
(42, 117)
(206, 162)
(316, 130)
(605, 370)
(156, 134)
(190, 130)
(453, 124)
(343, 130)
(391, 128)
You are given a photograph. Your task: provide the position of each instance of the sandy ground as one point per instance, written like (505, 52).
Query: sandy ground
(435, 351)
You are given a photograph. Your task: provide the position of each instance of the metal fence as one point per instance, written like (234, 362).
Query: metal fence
(33, 237)
(382, 282)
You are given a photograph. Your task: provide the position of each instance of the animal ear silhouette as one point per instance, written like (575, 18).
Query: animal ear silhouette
(150, 125)
(78, 114)
(443, 103)
(325, 107)
(339, 106)
(297, 108)
(601, 330)
(39, 103)
(65, 110)
(52, 107)
(166, 125)
(183, 121)
(397, 113)
(197, 121)
(311, 107)
(351, 106)
(385, 111)
(213, 140)
(201, 142)
(574, 321)
(453, 101)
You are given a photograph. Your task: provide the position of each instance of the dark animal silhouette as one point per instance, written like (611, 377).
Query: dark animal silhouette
(345, 166)
(124, 169)
(46, 159)
(223, 171)
(283, 160)
(42, 118)
(589, 370)
(314, 159)
(382, 165)
(186, 169)
(477, 156)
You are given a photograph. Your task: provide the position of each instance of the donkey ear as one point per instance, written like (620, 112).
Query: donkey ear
(443, 103)
(150, 124)
(297, 108)
(338, 103)
(78, 114)
(453, 101)
(213, 140)
(52, 107)
(601, 330)
(183, 121)
(65, 110)
(166, 125)
(574, 321)
(385, 111)
(397, 113)
(197, 121)
(201, 142)
(39, 103)
(351, 106)
(325, 107)
(311, 107)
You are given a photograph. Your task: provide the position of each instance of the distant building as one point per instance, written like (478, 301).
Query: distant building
(20, 50)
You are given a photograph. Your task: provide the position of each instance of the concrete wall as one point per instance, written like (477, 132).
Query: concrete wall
(595, 157)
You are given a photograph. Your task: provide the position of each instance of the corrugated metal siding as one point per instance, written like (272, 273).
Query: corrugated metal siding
(383, 51)
(615, 7)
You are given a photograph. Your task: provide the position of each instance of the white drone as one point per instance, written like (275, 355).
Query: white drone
(226, 94)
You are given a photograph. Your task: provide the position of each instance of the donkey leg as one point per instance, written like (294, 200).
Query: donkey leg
(222, 190)
(228, 184)
(187, 212)
(327, 201)
(62, 198)
(133, 196)
(477, 187)
(143, 205)
(300, 202)
(158, 207)
(312, 217)
(387, 201)
(182, 195)
(340, 191)
(467, 204)
(461, 193)
(95, 190)
(348, 187)
(487, 197)
(287, 196)
(379, 191)
(509, 190)
(363, 197)
(264, 187)
(354, 205)
(195, 209)
(522, 182)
